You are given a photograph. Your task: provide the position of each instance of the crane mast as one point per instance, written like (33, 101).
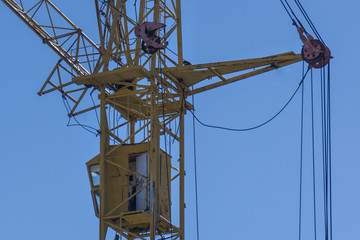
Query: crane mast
(143, 81)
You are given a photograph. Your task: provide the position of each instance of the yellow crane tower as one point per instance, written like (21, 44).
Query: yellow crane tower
(143, 82)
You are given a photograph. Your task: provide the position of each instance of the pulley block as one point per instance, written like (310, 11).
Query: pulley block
(314, 52)
(150, 41)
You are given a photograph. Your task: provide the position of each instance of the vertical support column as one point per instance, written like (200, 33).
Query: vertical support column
(104, 147)
(182, 132)
(155, 141)
(155, 165)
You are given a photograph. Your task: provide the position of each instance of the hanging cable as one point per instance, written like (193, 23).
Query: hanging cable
(326, 140)
(319, 62)
(86, 127)
(329, 152)
(325, 157)
(195, 169)
(329, 157)
(313, 152)
(258, 126)
(301, 154)
(324, 151)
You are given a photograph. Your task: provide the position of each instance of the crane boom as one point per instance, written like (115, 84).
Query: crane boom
(54, 41)
(69, 42)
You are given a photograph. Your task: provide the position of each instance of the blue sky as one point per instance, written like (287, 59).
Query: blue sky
(248, 182)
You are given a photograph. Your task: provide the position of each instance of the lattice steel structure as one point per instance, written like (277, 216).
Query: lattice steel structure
(142, 96)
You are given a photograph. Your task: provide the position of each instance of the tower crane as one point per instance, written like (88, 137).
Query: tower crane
(143, 82)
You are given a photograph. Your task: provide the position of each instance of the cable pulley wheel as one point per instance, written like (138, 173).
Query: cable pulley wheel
(313, 57)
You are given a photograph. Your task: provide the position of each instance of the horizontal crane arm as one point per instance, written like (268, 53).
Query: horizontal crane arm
(195, 74)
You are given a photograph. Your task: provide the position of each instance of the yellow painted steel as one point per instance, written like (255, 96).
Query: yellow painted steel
(147, 92)
(118, 208)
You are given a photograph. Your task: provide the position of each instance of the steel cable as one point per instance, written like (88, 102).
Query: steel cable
(255, 127)
(301, 156)
(195, 169)
(307, 18)
(86, 127)
(313, 154)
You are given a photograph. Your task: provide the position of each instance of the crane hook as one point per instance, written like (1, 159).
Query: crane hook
(314, 52)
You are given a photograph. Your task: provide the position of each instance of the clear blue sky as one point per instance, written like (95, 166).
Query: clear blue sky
(248, 182)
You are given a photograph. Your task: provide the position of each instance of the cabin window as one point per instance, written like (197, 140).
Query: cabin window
(95, 174)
